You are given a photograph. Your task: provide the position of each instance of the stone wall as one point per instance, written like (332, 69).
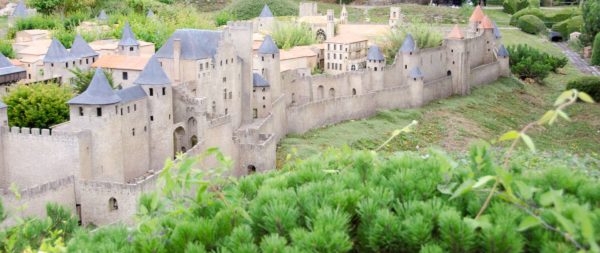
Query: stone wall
(437, 89)
(485, 73)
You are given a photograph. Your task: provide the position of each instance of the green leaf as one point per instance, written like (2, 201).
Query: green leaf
(563, 115)
(528, 223)
(585, 97)
(446, 188)
(564, 97)
(465, 187)
(528, 141)
(510, 135)
(551, 197)
(482, 181)
(526, 191)
(547, 117)
(565, 223)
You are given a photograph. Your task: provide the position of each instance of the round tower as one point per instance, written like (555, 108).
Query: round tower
(268, 57)
(408, 52)
(330, 33)
(159, 91)
(489, 38)
(415, 82)
(265, 19)
(128, 45)
(376, 63)
(475, 21)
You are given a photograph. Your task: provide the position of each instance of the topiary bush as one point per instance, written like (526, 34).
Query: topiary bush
(566, 27)
(248, 9)
(512, 6)
(531, 24)
(587, 84)
(596, 50)
(528, 62)
(514, 19)
(561, 15)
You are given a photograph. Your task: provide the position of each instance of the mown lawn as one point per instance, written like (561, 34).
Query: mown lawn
(455, 122)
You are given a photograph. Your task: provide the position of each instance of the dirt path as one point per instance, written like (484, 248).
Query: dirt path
(580, 63)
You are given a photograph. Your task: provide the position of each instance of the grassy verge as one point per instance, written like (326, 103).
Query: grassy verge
(455, 122)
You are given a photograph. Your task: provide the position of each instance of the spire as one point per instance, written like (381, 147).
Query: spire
(456, 33)
(268, 46)
(20, 10)
(502, 51)
(150, 13)
(415, 73)
(496, 31)
(128, 38)
(98, 92)
(486, 23)
(375, 54)
(153, 74)
(102, 16)
(408, 45)
(57, 52)
(81, 49)
(477, 15)
(266, 12)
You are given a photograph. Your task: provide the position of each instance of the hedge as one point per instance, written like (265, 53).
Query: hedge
(596, 50)
(531, 24)
(587, 84)
(514, 19)
(512, 6)
(566, 27)
(562, 15)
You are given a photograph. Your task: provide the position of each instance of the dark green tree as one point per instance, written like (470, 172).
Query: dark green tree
(596, 50)
(38, 105)
(83, 78)
(591, 19)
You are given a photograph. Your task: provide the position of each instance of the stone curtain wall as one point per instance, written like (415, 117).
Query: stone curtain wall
(437, 89)
(485, 73)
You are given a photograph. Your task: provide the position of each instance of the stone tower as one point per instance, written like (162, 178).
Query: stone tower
(376, 63)
(82, 51)
(102, 17)
(503, 58)
(265, 19)
(489, 36)
(128, 45)
(458, 61)
(240, 34)
(407, 53)
(415, 83)
(474, 21)
(97, 110)
(330, 33)
(344, 15)
(395, 17)
(57, 62)
(268, 56)
(157, 86)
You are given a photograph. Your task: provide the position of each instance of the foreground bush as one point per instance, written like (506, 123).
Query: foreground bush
(288, 35)
(38, 105)
(566, 27)
(248, 9)
(587, 84)
(531, 24)
(528, 62)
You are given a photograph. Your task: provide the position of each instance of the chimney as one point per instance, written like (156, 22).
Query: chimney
(177, 59)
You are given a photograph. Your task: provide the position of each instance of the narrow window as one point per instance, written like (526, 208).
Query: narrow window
(133, 131)
(67, 64)
(125, 76)
(255, 113)
(151, 92)
(151, 118)
(127, 109)
(134, 107)
(230, 95)
(80, 111)
(116, 109)
(99, 112)
(87, 61)
(121, 111)
(224, 79)
(131, 49)
(164, 91)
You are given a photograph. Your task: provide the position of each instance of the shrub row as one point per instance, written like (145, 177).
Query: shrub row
(528, 62)
(587, 84)
(531, 24)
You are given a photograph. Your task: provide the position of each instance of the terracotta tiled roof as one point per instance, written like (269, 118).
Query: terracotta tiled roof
(477, 15)
(346, 38)
(121, 62)
(456, 33)
(297, 52)
(486, 23)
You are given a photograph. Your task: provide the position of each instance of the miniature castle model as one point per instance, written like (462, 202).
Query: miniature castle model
(201, 89)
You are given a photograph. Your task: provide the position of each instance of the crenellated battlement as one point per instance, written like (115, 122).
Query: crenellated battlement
(36, 132)
(37, 190)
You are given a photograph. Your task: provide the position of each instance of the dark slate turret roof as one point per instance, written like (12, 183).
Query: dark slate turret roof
(98, 93)
(195, 44)
(415, 73)
(6, 67)
(80, 48)
(268, 46)
(153, 74)
(408, 45)
(266, 12)
(57, 52)
(150, 13)
(2, 105)
(128, 38)
(259, 81)
(375, 54)
(20, 10)
(102, 16)
(502, 51)
(131, 93)
(496, 31)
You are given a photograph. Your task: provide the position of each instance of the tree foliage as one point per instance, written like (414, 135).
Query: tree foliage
(596, 50)
(38, 105)
(591, 19)
(528, 62)
(52, 6)
(287, 35)
(424, 35)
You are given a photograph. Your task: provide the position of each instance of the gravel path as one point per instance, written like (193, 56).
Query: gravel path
(580, 63)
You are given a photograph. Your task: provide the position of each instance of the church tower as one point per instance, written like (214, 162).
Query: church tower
(330, 33)
(395, 18)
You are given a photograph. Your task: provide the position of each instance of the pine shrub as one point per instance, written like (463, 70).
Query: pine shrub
(587, 84)
(528, 62)
(531, 24)
(596, 50)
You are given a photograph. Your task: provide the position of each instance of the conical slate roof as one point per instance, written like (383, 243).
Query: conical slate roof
(20, 10)
(6, 67)
(81, 49)
(259, 81)
(477, 15)
(496, 30)
(102, 16)
(415, 73)
(98, 92)
(408, 45)
(375, 54)
(153, 74)
(195, 44)
(128, 38)
(57, 52)
(502, 51)
(268, 46)
(150, 13)
(456, 33)
(266, 12)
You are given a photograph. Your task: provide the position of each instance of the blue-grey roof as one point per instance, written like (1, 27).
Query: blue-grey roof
(502, 51)
(153, 74)
(375, 54)
(131, 93)
(496, 31)
(408, 45)
(128, 38)
(259, 81)
(6, 67)
(57, 52)
(81, 49)
(2, 105)
(268, 46)
(150, 13)
(98, 92)
(195, 44)
(266, 12)
(20, 10)
(102, 16)
(415, 73)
